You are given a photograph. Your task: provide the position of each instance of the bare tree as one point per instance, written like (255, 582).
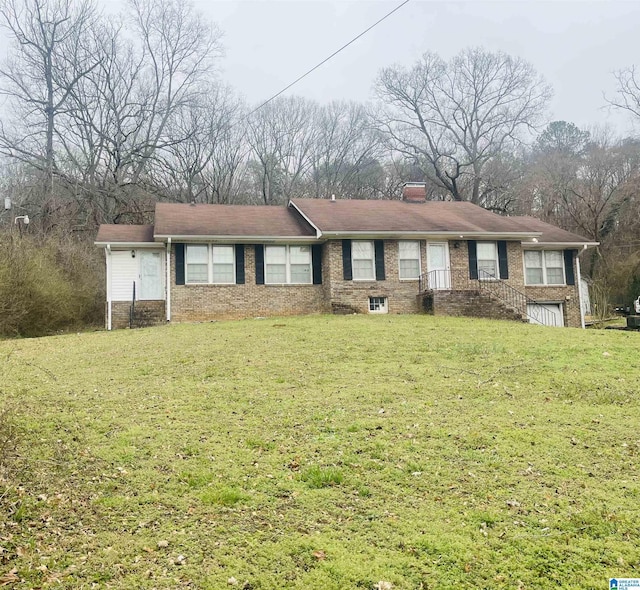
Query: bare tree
(628, 92)
(282, 136)
(127, 115)
(48, 60)
(346, 146)
(203, 161)
(453, 118)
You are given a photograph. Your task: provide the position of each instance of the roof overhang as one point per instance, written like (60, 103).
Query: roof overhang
(126, 245)
(239, 239)
(567, 245)
(442, 235)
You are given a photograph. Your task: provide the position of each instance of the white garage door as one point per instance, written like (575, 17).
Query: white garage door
(547, 314)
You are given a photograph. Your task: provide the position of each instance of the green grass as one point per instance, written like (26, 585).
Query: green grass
(326, 452)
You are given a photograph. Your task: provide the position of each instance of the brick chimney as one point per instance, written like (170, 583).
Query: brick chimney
(414, 192)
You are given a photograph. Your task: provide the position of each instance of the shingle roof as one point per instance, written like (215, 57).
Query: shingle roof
(340, 217)
(130, 234)
(174, 219)
(550, 233)
(345, 216)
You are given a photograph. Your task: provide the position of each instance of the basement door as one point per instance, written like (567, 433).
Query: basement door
(547, 314)
(150, 275)
(438, 268)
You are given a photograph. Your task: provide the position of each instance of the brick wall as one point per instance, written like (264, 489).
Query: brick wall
(153, 313)
(353, 296)
(471, 304)
(209, 302)
(213, 302)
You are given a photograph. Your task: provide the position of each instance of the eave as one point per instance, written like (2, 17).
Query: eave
(448, 235)
(115, 245)
(236, 239)
(568, 245)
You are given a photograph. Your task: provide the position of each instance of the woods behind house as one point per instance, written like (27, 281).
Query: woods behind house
(105, 115)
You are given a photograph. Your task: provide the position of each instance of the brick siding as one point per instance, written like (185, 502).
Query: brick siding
(353, 296)
(153, 313)
(213, 302)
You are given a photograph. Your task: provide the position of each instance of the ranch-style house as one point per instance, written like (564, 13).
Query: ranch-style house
(207, 262)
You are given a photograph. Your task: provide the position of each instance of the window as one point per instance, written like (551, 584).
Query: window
(409, 259)
(197, 263)
(377, 305)
(207, 263)
(544, 267)
(362, 261)
(287, 265)
(223, 264)
(487, 260)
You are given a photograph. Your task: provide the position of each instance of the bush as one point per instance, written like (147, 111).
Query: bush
(47, 284)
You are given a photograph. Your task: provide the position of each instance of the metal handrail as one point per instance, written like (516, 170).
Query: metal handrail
(434, 279)
(515, 299)
(496, 288)
(132, 309)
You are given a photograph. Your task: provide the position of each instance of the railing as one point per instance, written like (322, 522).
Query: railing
(495, 288)
(515, 299)
(434, 280)
(132, 309)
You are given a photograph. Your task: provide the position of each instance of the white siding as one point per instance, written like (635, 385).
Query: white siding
(124, 271)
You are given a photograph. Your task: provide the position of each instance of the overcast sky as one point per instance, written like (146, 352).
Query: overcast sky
(575, 45)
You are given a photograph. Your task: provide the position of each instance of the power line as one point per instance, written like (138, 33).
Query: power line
(324, 61)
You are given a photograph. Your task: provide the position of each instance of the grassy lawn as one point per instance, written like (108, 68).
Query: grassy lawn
(323, 452)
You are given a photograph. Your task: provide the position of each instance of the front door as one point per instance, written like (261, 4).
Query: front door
(438, 268)
(150, 275)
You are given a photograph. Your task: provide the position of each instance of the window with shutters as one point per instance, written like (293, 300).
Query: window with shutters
(197, 263)
(487, 260)
(409, 259)
(223, 267)
(210, 264)
(544, 267)
(287, 265)
(363, 260)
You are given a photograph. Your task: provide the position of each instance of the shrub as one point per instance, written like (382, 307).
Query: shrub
(47, 284)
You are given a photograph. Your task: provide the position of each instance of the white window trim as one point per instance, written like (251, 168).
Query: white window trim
(373, 260)
(385, 309)
(209, 280)
(233, 256)
(186, 265)
(400, 277)
(544, 282)
(497, 261)
(288, 265)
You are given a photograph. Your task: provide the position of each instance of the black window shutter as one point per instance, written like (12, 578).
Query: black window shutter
(347, 272)
(316, 263)
(259, 264)
(503, 263)
(239, 264)
(473, 259)
(180, 251)
(568, 267)
(379, 250)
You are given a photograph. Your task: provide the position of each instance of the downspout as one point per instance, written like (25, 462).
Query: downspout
(168, 280)
(579, 277)
(107, 253)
